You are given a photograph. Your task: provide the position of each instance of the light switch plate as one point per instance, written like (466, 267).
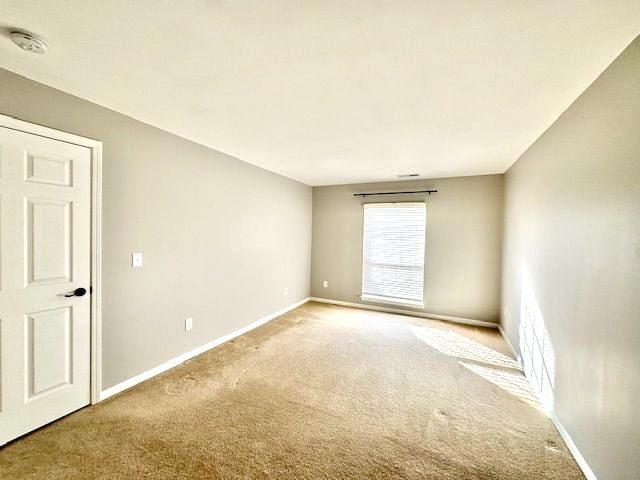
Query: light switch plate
(136, 260)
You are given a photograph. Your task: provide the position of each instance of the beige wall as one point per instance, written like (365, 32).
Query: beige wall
(572, 252)
(463, 243)
(221, 238)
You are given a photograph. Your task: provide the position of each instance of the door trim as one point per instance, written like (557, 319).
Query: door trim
(96, 234)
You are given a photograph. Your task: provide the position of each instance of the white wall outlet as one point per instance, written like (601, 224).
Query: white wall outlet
(325, 284)
(286, 291)
(136, 260)
(188, 324)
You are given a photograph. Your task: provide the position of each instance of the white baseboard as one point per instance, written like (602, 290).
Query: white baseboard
(580, 460)
(515, 353)
(109, 392)
(582, 463)
(411, 313)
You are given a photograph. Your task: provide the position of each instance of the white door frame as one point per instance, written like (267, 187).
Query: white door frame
(96, 234)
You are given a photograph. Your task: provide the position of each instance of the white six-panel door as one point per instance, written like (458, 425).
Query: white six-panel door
(45, 253)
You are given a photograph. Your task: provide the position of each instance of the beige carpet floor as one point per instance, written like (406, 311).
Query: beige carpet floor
(323, 392)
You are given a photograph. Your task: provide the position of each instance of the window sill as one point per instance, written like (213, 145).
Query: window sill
(392, 301)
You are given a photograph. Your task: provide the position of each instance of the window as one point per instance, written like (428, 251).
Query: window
(393, 253)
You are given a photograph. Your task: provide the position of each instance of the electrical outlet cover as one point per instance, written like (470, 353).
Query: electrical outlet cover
(136, 260)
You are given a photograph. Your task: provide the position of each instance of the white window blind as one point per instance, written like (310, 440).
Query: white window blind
(393, 252)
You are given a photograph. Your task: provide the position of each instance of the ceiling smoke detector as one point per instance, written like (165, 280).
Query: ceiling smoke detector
(407, 175)
(29, 42)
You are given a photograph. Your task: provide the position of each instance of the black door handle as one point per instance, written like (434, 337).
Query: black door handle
(78, 292)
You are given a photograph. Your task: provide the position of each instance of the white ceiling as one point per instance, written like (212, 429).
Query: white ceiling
(327, 91)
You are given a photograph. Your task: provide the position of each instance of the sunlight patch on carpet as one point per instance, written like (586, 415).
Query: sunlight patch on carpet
(513, 382)
(456, 345)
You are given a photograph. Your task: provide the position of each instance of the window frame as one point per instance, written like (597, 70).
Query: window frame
(365, 297)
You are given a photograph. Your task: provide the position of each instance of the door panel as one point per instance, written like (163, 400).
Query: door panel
(45, 253)
(48, 241)
(55, 171)
(49, 351)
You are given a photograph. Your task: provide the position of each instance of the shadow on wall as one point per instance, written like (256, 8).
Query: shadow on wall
(485, 362)
(538, 357)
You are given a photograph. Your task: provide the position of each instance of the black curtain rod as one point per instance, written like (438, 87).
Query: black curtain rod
(393, 193)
